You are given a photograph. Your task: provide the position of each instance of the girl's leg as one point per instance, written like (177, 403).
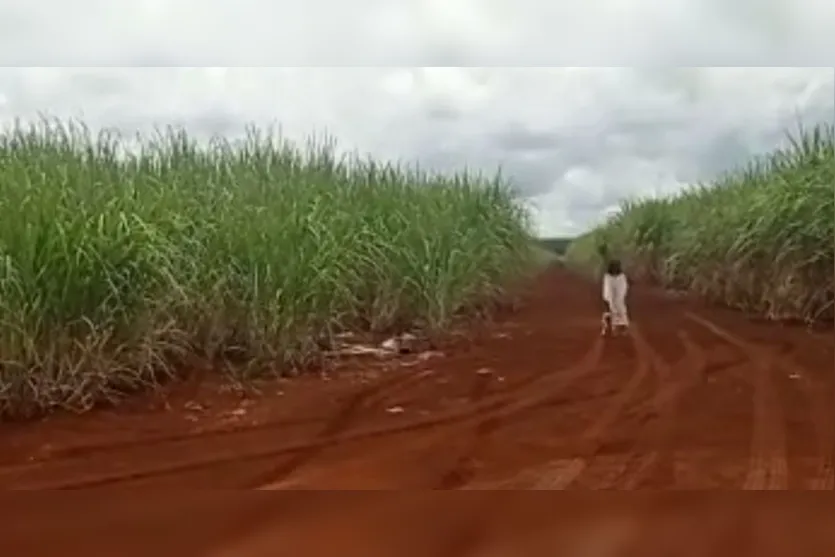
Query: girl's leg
(606, 319)
(620, 321)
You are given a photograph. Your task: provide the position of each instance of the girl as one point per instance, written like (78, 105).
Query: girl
(615, 287)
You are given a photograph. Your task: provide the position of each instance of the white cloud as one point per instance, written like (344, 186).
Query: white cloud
(574, 139)
(417, 32)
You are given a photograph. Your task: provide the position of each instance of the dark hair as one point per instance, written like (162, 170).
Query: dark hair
(614, 267)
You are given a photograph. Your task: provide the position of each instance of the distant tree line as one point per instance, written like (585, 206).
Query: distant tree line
(556, 245)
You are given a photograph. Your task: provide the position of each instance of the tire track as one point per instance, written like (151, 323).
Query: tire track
(626, 472)
(230, 455)
(560, 474)
(502, 406)
(820, 405)
(84, 452)
(340, 422)
(615, 466)
(767, 466)
(331, 432)
(629, 471)
(480, 425)
(463, 471)
(673, 381)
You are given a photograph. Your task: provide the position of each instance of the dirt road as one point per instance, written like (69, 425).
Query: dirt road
(693, 398)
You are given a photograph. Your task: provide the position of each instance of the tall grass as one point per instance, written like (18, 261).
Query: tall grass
(759, 239)
(119, 265)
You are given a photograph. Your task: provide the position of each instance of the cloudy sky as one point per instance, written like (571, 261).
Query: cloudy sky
(574, 140)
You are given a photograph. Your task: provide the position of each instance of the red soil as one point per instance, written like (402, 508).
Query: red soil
(693, 398)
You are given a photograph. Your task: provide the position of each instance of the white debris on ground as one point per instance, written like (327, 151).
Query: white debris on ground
(423, 357)
(194, 406)
(404, 344)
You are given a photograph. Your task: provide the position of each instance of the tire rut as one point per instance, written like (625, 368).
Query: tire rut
(560, 474)
(333, 425)
(656, 461)
(502, 406)
(463, 476)
(465, 467)
(481, 424)
(340, 422)
(820, 405)
(768, 465)
(630, 471)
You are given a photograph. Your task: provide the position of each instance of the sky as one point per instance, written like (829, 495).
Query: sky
(447, 83)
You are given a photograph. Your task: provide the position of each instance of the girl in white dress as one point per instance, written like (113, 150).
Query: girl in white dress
(615, 288)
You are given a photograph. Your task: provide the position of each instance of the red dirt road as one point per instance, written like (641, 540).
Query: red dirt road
(693, 398)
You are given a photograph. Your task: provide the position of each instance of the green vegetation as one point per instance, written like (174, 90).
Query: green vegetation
(119, 266)
(759, 239)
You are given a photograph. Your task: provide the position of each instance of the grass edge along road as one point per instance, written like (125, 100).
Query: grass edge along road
(760, 239)
(121, 265)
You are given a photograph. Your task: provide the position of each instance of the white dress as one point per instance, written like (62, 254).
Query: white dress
(614, 293)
